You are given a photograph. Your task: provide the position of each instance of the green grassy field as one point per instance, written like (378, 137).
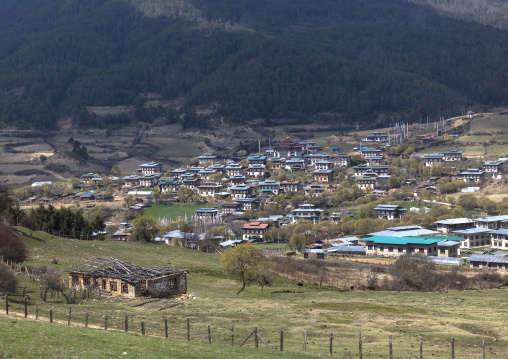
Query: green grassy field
(175, 211)
(179, 148)
(494, 123)
(468, 316)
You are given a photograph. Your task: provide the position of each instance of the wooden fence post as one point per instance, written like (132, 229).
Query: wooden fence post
(166, 328)
(390, 345)
(483, 345)
(86, 320)
(331, 343)
(36, 312)
(105, 322)
(304, 341)
(69, 319)
(51, 315)
(142, 328)
(126, 324)
(188, 329)
(453, 348)
(233, 335)
(26, 309)
(360, 344)
(256, 337)
(282, 341)
(209, 335)
(421, 348)
(6, 305)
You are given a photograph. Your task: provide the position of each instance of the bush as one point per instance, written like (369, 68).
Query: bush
(11, 247)
(8, 282)
(415, 272)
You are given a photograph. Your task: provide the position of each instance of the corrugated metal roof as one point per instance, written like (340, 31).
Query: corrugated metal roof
(502, 231)
(407, 233)
(452, 261)
(346, 249)
(472, 230)
(492, 218)
(454, 221)
(487, 259)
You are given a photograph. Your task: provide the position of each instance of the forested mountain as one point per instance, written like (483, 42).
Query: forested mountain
(243, 59)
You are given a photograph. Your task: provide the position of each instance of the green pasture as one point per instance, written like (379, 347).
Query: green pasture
(490, 124)
(175, 211)
(179, 148)
(468, 316)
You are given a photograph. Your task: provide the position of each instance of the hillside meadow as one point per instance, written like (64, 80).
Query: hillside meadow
(468, 316)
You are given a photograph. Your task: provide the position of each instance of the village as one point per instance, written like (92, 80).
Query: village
(380, 200)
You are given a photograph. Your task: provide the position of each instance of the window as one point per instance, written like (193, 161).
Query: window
(125, 289)
(370, 247)
(75, 280)
(422, 250)
(104, 284)
(390, 249)
(113, 287)
(400, 250)
(172, 283)
(86, 281)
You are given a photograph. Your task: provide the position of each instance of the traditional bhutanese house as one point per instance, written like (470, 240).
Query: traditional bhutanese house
(168, 185)
(449, 248)
(254, 231)
(288, 147)
(376, 137)
(131, 180)
(231, 207)
(398, 246)
(150, 168)
(405, 231)
(275, 162)
(487, 261)
(241, 191)
(237, 180)
(492, 222)
(307, 211)
(474, 237)
(177, 173)
(373, 160)
(148, 180)
(370, 152)
(343, 160)
(270, 153)
(117, 278)
(493, 168)
(256, 171)
(432, 159)
(206, 174)
(233, 169)
(389, 211)
(195, 170)
(313, 190)
(209, 189)
(380, 170)
(361, 169)
(207, 213)
(337, 216)
(248, 204)
(324, 176)
(309, 146)
(452, 155)
(121, 235)
(205, 158)
(190, 181)
(317, 157)
(288, 186)
(257, 160)
(85, 196)
(447, 226)
(367, 183)
(87, 178)
(218, 167)
(499, 238)
(471, 175)
(323, 165)
(270, 187)
(296, 164)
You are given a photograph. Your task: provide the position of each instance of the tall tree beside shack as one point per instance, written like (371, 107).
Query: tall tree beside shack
(242, 263)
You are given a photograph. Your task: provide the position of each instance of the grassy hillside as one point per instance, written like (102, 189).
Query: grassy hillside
(241, 60)
(468, 316)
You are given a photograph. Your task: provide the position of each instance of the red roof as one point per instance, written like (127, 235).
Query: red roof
(255, 225)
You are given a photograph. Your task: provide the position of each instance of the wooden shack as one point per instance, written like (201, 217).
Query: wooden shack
(109, 276)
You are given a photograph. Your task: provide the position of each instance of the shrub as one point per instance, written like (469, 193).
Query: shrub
(11, 247)
(8, 281)
(416, 272)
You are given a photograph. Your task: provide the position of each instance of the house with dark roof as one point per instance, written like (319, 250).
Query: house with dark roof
(447, 226)
(309, 212)
(432, 159)
(390, 211)
(150, 168)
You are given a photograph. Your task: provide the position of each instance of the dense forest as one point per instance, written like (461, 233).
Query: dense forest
(243, 59)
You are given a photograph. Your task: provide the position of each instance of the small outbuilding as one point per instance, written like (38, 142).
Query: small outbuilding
(114, 277)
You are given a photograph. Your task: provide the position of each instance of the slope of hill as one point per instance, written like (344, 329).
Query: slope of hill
(243, 60)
